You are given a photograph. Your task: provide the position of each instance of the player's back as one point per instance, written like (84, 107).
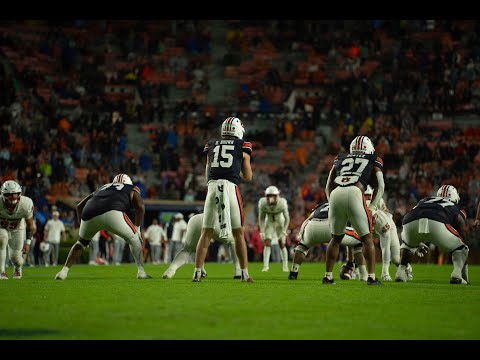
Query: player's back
(353, 168)
(112, 196)
(321, 211)
(225, 158)
(435, 208)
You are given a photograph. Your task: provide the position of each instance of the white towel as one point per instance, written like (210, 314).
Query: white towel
(423, 227)
(223, 208)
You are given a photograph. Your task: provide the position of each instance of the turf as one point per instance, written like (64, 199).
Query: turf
(108, 302)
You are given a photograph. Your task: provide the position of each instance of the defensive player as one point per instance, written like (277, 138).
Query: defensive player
(440, 221)
(347, 180)
(228, 162)
(194, 228)
(16, 214)
(106, 209)
(273, 220)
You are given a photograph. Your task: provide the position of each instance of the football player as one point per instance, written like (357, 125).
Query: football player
(194, 228)
(440, 221)
(228, 162)
(347, 181)
(16, 215)
(273, 220)
(316, 230)
(106, 209)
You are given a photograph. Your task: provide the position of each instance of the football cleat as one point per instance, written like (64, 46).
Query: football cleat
(3, 276)
(285, 269)
(237, 277)
(265, 269)
(386, 277)
(204, 274)
(370, 281)
(409, 272)
(400, 276)
(458, 281)
(248, 279)
(61, 275)
(197, 276)
(143, 275)
(328, 281)
(293, 275)
(17, 274)
(168, 274)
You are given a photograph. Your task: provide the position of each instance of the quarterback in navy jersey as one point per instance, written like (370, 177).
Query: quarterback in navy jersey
(228, 162)
(106, 209)
(440, 221)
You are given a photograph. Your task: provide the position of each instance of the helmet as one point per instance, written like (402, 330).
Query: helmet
(123, 179)
(368, 194)
(362, 144)
(271, 193)
(232, 126)
(10, 193)
(449, 192)
(272, 190)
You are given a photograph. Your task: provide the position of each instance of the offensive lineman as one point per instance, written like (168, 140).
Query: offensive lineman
(106, 209)
(273, 220)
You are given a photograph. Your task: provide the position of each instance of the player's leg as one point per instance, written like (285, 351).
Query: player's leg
(360, 262)
(361, 220)
(3, 253)
(237, 273)
(350, 240)
(120, 224)
(282, 243)
(15, 246)
(194, 229)
(267, 245)
(237, 218)
(411, 238)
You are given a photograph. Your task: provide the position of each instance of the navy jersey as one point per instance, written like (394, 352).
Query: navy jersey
(226, 158)
(109, 197)
(353, 168)
(436, 208)
(321, 211)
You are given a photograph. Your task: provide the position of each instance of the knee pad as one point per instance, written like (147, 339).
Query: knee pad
(16, 257)
(409, 248)
(302, 248)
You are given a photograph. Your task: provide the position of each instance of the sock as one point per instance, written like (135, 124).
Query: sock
(295, 267)
(245, 273)
(328, 275)
(385, 269)
(372, 276)
(136, 249)
(350, 264)
(180, 259)
(284, 255)
(363, 271)
(266, 256)
(3, 257)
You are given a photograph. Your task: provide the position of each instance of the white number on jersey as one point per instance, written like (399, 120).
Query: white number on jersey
(117, 186)
(440, 201)
(351, 171)
(222, 152)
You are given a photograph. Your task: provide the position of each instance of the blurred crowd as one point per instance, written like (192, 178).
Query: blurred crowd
(70, 88)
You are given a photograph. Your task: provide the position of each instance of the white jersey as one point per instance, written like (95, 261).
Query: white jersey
(16, 220)
(273, 213)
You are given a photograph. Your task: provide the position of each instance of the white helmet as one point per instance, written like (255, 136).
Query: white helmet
(449, 192)
(362, 144)
(272, 190)
(122, 179)
(369, 193)
(232, 126)
(10, 193)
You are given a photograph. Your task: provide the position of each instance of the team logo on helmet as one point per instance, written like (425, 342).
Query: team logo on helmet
(449, 192)
(122, 179)
(362, 144)
(232, 126)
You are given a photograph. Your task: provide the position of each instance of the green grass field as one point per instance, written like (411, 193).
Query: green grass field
(108, 302)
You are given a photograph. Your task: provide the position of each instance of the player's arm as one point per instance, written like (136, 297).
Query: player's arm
(139, 206)
(207, 165)
(330, 184)
(477, 218)
(261, 220)
(31, 229)
(246, 173)
(286, 214)
(81, 205)
(461, 226)
(379, 189)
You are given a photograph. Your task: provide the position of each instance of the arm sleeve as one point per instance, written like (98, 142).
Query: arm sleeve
(327, 187)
